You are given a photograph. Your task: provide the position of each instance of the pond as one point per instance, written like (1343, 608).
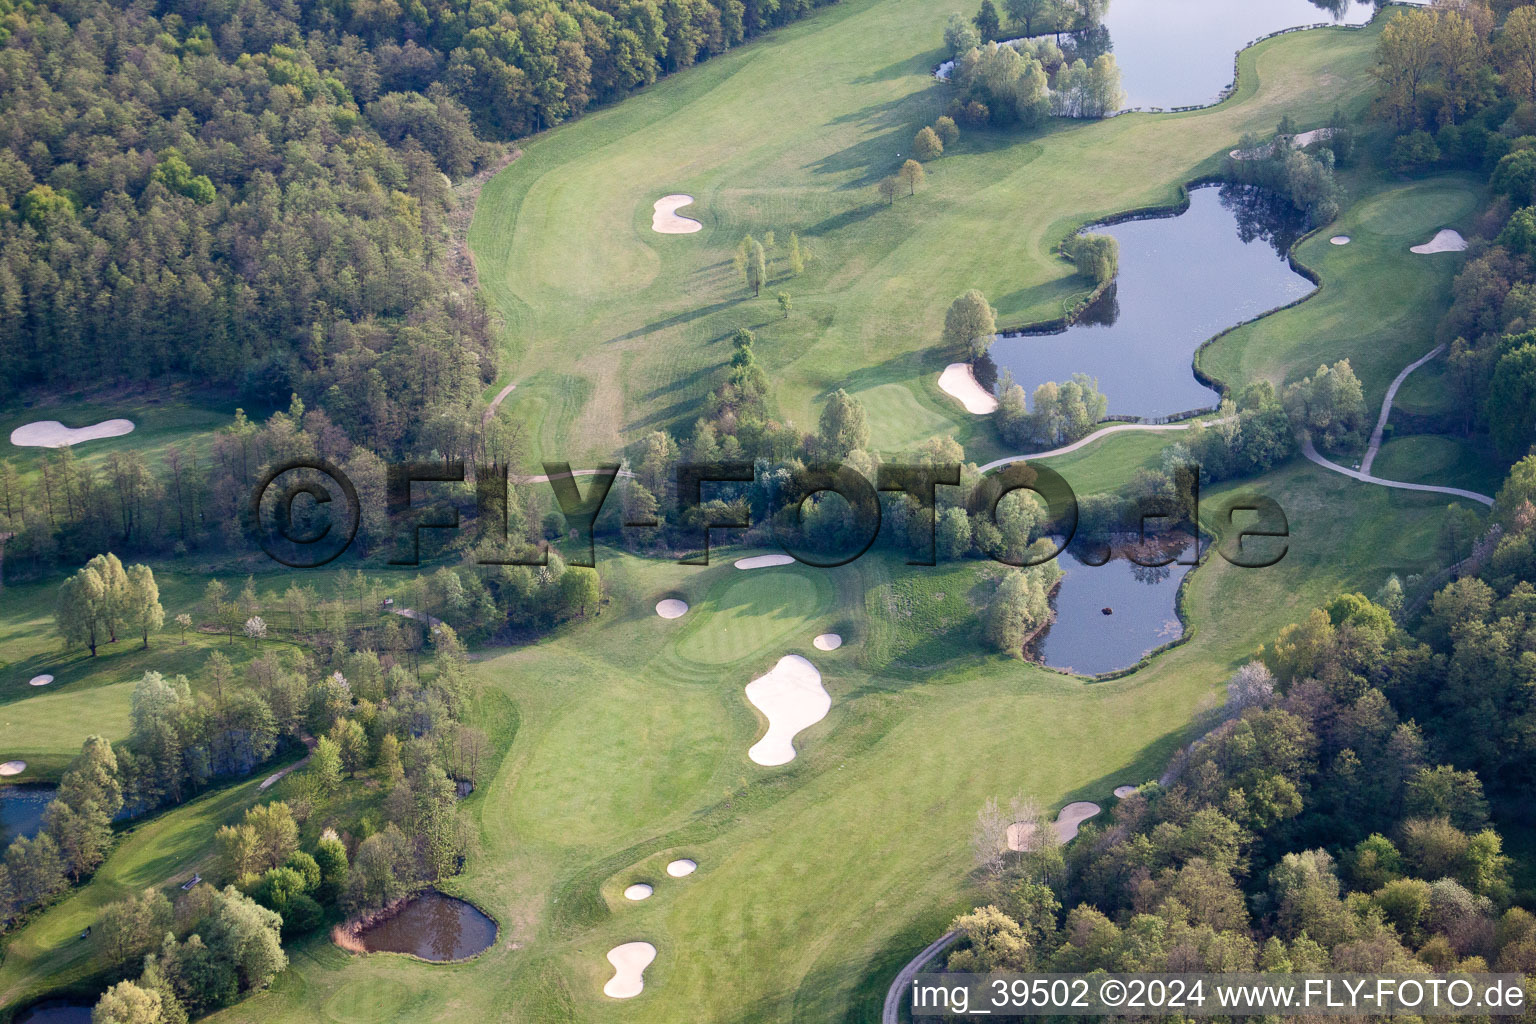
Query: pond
(21, 810)
(1179, 53)
(55, 1011)
(432, 926)
(1182, 280)
(1143, 602)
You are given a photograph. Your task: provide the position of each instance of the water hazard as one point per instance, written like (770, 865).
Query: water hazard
(1182, 280)
(434, 927)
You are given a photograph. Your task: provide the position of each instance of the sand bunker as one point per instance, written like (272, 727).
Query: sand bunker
(1445, 240)
(53, 434)
(42, 680)
(827, 642)
(763, 561)
(638, 891)
(1339, 239)
(1301, 141)
(1066, 825)
(629, 963)
(958, 381)
(1122, 792)
(680, 868)
(667, 222)
(792, 698)
(13, 767)
(671, 608)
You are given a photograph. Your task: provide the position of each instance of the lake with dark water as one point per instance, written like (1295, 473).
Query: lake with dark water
(1182, 280)
(21, 810)
(1179, 53)
(432, 926)
(1143, 602)
(55, 1011)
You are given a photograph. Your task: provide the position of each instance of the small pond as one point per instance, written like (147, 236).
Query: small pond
(434, 927)
(1143, 600)
(55, 1011)
(1182, 280)
(1179, 53)
(21, 810)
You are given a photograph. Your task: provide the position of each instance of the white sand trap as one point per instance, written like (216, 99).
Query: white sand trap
(629, 963)
(792, 698)
(827, 642)
(682, 868)
(13, 767)
(1122, 792)
(638, 891)
(667, 222)
(1445, 240)
(53, 434)
(958, 381)
(1339, 240)
(1066, 825)
(671, 608)
(42, 680)
(763, 561)
(1301, 141)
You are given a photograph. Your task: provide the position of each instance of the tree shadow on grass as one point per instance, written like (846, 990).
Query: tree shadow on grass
(920, 64)
(687, 316)
(891, 125)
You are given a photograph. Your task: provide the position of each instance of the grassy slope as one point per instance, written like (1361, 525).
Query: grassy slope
(816, 878)
(613, 329)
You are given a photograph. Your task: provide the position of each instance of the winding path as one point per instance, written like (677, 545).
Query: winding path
(1386, 409)
(1075, 445)
(1310, 451)
(890, 1012)
(490, 410)
(1363, 474)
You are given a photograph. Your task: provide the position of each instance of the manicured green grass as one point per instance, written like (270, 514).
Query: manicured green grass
(565, 251)
(1379, 303)
(754, 611)
(1438, 459)
(818, 878)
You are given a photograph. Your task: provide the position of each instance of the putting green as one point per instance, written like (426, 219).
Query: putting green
(898, 421)
(1379, 303)
(755, 612)
(1415, 210)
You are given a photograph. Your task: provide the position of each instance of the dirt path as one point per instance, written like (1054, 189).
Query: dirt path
(1386, 409)
(490, 410)
(277, 776)
(890, 1013)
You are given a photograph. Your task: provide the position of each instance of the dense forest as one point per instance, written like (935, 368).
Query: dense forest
(257, 195)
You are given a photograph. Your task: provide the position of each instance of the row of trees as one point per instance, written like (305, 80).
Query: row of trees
(1059, 413)
(69, 510)
(201, 955)
(75, 837)
(102, 598)
(754, 259)
(1027, 81)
